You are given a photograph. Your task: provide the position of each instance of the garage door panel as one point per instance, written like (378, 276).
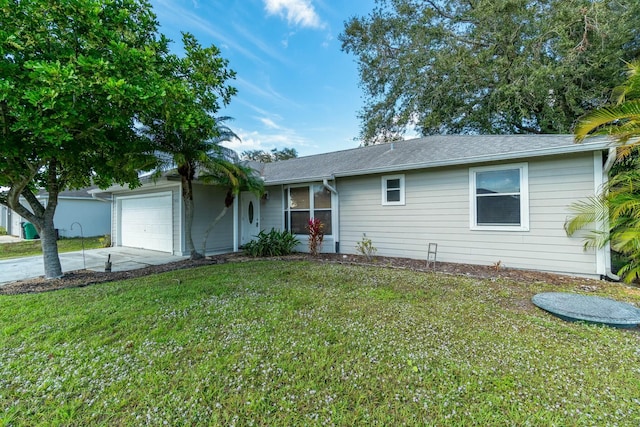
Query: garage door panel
(147, 222)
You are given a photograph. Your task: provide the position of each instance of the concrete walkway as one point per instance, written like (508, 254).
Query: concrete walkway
(122, 259)
(9, 239)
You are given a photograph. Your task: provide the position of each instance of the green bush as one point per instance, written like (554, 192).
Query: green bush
(273, 243)
(3, 231)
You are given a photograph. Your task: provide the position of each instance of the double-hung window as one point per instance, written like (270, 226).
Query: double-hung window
(393, 190)
(499, 197)
(304, 203)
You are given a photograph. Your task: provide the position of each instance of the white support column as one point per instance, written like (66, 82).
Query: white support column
(236, 228)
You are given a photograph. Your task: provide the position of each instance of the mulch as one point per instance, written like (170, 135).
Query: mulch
(83, 278)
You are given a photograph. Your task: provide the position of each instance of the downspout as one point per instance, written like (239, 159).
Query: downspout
(336, 230)
(611, 158)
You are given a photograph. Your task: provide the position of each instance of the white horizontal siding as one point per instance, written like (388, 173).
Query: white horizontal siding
(437, 210)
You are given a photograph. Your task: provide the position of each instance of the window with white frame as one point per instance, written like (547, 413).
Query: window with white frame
(304, 203)
(499, 197)
(393, 190)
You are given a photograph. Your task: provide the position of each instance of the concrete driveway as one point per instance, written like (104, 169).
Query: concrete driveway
(122, 259)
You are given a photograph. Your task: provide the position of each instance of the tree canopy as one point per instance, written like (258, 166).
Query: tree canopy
(267, 157)
(488, 66)
(77, 80)
(621, 120)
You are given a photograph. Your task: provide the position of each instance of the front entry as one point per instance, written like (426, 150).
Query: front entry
(249, 217)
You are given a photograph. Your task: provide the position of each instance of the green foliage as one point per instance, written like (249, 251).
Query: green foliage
(365, 247)
(621, 120)
(490, 66)
(316, 235)
(273, 343)
(614, 215)
(273, 243)
(617, 212)
(3, 231)
(275, 155)
(76, 77)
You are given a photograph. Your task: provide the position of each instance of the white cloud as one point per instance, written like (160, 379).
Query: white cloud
(297, 12)
(269, 123)
(255, 140)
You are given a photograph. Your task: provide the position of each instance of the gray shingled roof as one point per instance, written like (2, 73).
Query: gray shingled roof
(422, 153)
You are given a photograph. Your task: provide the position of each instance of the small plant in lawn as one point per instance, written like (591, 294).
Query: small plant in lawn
(365, 247)
(316, 235)
(105, 241)
(273, 243)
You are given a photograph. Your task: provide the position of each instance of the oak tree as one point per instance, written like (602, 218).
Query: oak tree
(488, 66)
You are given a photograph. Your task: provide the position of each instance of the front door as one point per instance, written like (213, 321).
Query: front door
(249, 217)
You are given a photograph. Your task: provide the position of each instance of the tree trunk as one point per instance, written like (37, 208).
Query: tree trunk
(42, 218)
(187, 197)
(49, 242)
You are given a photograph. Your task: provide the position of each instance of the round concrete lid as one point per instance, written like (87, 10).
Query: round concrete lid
(588, 308)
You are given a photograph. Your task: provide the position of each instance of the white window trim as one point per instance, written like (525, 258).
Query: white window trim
(384, 180)
(524, 198)
(285, 205)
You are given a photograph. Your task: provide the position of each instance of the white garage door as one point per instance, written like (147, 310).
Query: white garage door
(146, 222)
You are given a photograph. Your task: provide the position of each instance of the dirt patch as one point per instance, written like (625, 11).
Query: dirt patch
(82, 278)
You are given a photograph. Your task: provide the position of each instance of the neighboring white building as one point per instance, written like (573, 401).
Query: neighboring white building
(482, 199)
(77, 211)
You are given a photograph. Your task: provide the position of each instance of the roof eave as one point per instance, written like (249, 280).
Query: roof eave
(299, 180)
(575, 148)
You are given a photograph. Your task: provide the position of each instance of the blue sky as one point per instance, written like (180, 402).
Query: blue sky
(296, 88)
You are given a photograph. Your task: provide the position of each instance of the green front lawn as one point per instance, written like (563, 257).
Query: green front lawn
(33, 247)
(297, 343)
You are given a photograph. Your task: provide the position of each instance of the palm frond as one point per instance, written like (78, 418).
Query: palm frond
(586, 212)
(621, 121)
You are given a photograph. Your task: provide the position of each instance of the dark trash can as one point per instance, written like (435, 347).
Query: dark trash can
(30, 231)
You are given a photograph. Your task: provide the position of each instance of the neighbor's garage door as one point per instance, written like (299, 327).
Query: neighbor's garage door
(146, 222)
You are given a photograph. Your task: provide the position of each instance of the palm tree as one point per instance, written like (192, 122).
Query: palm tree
(234, 177)
(619, 204)
(619, 207)
(190, 149)
(621, 120)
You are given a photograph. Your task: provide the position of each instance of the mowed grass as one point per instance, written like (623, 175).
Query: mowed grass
(34, 247)
(298, 343)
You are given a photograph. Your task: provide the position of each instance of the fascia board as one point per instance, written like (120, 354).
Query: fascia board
(306, 179)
